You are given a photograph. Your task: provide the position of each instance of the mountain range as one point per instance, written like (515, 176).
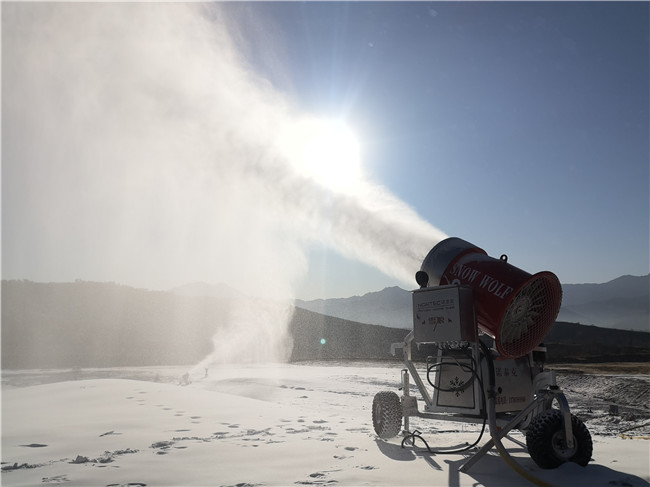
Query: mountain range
(90, 324)
(623, 303)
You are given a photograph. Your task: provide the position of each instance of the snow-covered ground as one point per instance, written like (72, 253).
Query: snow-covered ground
(282, 425)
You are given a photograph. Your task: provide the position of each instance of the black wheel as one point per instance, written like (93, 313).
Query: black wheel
(387, 414)
(546, 444)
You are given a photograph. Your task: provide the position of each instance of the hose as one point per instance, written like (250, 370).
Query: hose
(492, 419)
(506, 456)
(634, 437)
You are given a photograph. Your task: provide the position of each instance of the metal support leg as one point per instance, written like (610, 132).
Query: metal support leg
(500, 434)
(566, 417)
(408, 343)
(406, 390)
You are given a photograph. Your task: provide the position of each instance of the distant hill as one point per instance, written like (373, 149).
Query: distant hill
(90, 324)
(623, 303)
(624, 286)
(202, 289)
(319, 337)
(388, 307)
(572, 342)
(86, 324)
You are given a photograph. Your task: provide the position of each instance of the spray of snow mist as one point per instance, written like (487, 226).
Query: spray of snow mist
(151, 158)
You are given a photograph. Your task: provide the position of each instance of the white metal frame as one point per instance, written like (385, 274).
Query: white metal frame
(546, 391)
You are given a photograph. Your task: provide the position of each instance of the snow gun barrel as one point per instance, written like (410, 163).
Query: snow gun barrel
(514, 307)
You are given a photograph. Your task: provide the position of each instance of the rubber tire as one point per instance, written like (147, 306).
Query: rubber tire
(547, 427)
(387, 414)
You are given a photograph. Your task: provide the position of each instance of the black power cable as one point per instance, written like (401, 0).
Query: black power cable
(456, 363)
(412, 436)
(416, 435)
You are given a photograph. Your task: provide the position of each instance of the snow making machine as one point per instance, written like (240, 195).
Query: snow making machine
(480, 322)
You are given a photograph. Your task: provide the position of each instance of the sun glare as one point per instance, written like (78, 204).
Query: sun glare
(326, 151)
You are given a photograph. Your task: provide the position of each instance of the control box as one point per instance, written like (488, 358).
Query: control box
(444, 314)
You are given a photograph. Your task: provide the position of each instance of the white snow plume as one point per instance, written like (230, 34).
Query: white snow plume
(140, 147)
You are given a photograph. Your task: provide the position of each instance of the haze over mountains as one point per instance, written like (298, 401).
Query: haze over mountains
(623, 303)
(89, 324)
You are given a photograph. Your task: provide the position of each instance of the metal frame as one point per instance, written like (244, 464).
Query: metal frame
(546, 391)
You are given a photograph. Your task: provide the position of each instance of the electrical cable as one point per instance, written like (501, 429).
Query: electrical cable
(473, 370)
(464, 367)
(489, 407)
(417, 435)
(475, 376)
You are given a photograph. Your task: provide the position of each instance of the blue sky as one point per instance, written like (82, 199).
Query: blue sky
(521, 127)
(131, 133)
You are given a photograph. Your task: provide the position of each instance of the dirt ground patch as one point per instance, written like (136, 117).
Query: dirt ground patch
(611, 398)
(605, 368)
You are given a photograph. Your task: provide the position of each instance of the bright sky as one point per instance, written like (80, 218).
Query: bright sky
(520, 127)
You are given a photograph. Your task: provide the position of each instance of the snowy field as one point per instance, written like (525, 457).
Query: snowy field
(282, 425)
